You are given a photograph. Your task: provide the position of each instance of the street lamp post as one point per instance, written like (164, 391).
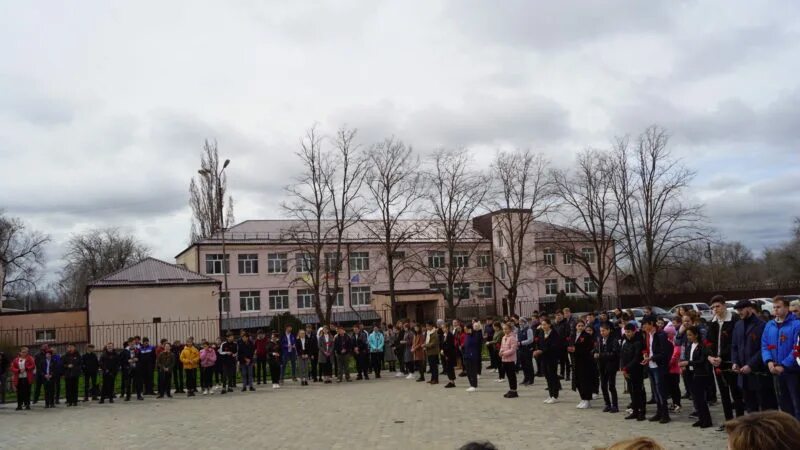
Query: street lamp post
(221, 227)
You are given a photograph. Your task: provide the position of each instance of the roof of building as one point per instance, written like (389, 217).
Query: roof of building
(365, 231)
(152, 272)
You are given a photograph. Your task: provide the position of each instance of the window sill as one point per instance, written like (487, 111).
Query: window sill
(250, 311)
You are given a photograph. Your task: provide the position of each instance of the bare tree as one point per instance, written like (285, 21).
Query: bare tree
(92, 255)
(455, 193)
(343, 180)
(206, 195)
(589, 212)
(21, 255)
(655, 220)
(523, 194)
(309, 203)
(396, 188)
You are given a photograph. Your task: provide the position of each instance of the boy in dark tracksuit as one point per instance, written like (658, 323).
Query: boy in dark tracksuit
(607, 354)
(177, 375)
(109, 365)
(147, 365)
(71, 363)
(227, 353)
(47, 369)
(273, 355)
(131, 365)
(361, 348)
(90, 365)
(631, 362)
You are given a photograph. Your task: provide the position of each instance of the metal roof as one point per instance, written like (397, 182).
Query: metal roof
(151, 271)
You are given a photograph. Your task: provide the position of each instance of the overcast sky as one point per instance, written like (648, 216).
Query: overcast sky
(104, 106)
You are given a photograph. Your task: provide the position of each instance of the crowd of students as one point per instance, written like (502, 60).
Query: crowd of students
(750, 364)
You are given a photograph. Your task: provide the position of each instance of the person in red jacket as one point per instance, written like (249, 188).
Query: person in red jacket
(24, 368)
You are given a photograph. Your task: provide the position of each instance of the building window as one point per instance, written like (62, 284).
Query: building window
(333, 262)
(277, 263)
(461, 290)
(502, 270)
(399, 256)
(483, 259)
(214, 264)
(461, 259)
(46, 335)
(249, 301)
(551, 286)
(567, 259)
(588, 255)
(248, 264)
(499, 238)
(225, 302)
(339, 299)
(569, 286)
(305, 298)
(436, 260)
(441, 287)
(359, 261)
(304, 263)
(485, 289)
(549, 257)
(589, 286)
(359, 295)
(279, 299)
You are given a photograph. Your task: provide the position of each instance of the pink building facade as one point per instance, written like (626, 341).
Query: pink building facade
(267, 270)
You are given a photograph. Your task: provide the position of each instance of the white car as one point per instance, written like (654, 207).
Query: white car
(703, 309)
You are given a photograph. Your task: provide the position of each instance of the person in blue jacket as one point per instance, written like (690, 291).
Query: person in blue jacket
(376, 342)
(777, 352)
(288, 352)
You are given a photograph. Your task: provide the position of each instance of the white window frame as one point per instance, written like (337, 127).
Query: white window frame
(485, 289)
(247, 263)
(277, 263)
(47, 335)
(570, 282)
(568, 259)
(551, 286)
(219, 267)
(589, 286)
(251, 300)
(305, 298)
(276, 296)
(588, 254)
(338, 301)
(461, 290)
(503, 270)
(549, 257)
(360, 295)
(461, 259)
(359, 261)
(225, 301)
(436, 259)
(304, 262)
(333, 262)
(484, 259)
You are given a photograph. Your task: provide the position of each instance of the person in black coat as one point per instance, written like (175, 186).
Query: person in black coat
(658, 355)
(697, 362)
(631, 357)
(90, 365)
(72, 370)
(720, 333)
(581, 348)
(313, 349)
(361, 350)
(130, 363)
(109, 365)
(40, 381)
(449, 354)
(607, 355)
(548, 347)
(757, 390)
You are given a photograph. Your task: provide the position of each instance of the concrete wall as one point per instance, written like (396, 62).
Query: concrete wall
(116, 313)
(18, 329)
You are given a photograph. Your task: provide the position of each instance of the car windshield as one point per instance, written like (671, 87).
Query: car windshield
(703, 307)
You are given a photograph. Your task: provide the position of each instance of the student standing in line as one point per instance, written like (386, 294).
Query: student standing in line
(326, 355)
(274, 359)
(418, 348)
(343, 348)
(607, 356)
(302, 347)
(449, 355)
(90, 365)
(390, 348)
(261, 357)
(146, 365)
(548, 348)
(313, 353)
(432, 351)
(130, 357)
(508, 356)
(581, 349)
(376, 342)
(23, 369)
(246, 352)
(471, 356)
(165, 363)
(631, 357)
(48, 370)
(190, 358)
(178, 374)
(227, 353)
(109, 366)
(408, 353)
(288, 353)
(208, 359)
(71, 363)
(697, 363)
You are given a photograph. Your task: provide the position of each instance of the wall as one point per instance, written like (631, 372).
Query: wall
(18, 329)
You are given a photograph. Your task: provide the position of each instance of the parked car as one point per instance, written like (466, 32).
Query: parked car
(703, 309)
(638, 315)
(660, 313)
(764, 304)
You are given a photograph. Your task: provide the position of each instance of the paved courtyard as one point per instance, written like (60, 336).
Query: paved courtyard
(387, 413)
